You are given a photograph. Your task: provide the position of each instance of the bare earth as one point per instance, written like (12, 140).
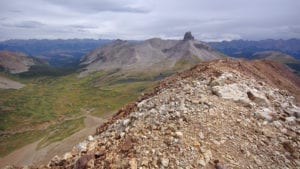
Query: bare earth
(6, 83)
(29, 154)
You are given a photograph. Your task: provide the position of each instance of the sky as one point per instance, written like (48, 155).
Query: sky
(208, 20)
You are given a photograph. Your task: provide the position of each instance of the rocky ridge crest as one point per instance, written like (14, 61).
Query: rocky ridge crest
(219, 114)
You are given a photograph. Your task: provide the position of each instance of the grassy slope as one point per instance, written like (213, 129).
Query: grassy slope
(46, 101)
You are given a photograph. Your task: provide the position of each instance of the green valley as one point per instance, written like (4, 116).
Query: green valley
(53, 107)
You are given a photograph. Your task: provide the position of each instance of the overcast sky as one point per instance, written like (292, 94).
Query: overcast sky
(209, 20)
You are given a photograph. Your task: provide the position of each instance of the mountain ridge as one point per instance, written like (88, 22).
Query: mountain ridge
(246, 48)
(147, 55)
(204, 117)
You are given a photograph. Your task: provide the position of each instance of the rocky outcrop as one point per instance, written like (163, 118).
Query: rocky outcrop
(218, 114)
(188, 36)
(14, 62)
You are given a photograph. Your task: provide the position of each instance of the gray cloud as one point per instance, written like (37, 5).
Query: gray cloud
(29, 24)
(94, 6)
(209, 20)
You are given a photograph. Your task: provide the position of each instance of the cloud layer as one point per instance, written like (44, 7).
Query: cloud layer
(209, 20)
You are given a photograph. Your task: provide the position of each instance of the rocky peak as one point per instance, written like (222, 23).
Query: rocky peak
(188, 36)
(119, 41)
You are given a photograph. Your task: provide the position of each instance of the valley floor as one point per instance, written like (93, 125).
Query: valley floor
(30, 153)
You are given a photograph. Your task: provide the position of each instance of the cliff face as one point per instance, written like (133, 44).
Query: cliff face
(219, 114)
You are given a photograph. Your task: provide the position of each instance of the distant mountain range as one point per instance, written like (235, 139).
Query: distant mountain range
(67, 53)
(58, 53)
(246, 49)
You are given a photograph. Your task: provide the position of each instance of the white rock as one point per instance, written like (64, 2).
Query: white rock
(265, 114)
(67, 156)
(177, 113)
(140, 105)
(277, 124)
(122, 134)
(207, 155)
(201, 135)
(126, 122)
(290, 119)
(165, 162)
(202, 162)
(179, 134)
(81, 146)
(233, 91)
(90, 138)
(295, 111)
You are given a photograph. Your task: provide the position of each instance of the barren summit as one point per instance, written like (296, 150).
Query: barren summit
(219, 114)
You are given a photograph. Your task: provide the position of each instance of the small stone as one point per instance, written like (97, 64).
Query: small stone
(90, 164)
(197, 144)
(122, 134)
(82, 146)
(91, 146)
(84, 162)
(177, 113)
(207, 155)
(277, 124)
(290, 119)
(55, 161)
(201, 135)
(202, 162)
(126, 122)
(133, 163)
(216, 142)
(67, 156)
(164, 162)
(99, 153)
(179, 134)
(145, 163)
(90, 138)
(127, 144)
(74, 151)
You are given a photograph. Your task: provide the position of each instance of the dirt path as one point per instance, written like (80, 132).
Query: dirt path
(28, 154)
